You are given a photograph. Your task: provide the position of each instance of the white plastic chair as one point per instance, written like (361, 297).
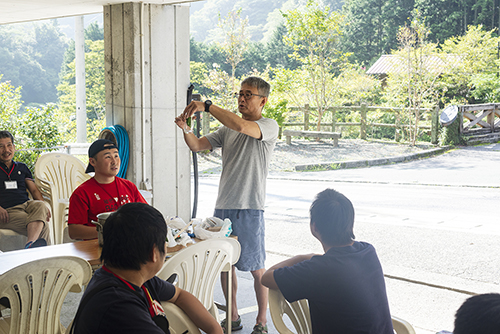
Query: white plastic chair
(199, 266)
(298, 313)
(178, 321)
(402, 326)
(57, 175)
(36, 291)
(10, 240)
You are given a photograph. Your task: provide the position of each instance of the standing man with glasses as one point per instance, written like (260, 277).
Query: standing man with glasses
(247, 144)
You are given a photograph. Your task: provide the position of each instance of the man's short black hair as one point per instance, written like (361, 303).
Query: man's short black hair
(479, 314)
(262, 85)
(7, 134)
(333, 215)
(130, 234)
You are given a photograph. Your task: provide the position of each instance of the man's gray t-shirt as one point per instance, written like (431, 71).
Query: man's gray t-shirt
(245, 165)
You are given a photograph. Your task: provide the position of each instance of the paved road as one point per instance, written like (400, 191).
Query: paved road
(434, 223)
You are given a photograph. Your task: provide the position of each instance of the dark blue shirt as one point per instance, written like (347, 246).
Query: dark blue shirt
(115, 310)
(345, 289)
(19, 173)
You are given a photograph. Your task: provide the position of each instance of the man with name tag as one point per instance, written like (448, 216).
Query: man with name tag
(105, 192)
(17, 211)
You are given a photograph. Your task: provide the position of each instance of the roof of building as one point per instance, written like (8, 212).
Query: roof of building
(395, 63)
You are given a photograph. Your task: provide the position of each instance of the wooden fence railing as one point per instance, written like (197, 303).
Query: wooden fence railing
(364, 124)
(471, 119)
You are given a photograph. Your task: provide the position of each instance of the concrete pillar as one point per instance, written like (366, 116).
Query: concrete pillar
(147, 76)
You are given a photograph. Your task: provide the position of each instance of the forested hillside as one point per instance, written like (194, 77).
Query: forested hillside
(30, 56)
(313, 52)
(370, 27)
(263, 16)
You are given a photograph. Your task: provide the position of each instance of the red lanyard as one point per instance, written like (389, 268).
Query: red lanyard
(150, 300)
(8, 174)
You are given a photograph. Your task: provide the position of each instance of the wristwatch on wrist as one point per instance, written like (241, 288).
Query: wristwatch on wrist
(208, 103)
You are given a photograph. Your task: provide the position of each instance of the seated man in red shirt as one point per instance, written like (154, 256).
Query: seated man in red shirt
(105, 192)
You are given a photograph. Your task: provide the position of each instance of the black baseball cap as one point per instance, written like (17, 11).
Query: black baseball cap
(96, 147)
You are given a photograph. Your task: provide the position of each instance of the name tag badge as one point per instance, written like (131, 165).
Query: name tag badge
(10, 184)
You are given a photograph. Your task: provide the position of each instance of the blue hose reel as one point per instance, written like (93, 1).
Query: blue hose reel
(118, 135)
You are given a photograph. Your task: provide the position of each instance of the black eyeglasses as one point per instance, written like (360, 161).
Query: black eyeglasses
(247, 96)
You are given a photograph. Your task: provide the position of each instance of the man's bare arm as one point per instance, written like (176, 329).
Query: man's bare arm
(194, 143)
(33, 189)
(229, 119)
(196, 311)
(268, 277)
(77, 231)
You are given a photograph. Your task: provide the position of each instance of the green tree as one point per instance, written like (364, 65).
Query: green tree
(10, 103)
(94, 32)
(221, 85)
(235, 39)
(253, 59)
(278, 53)
(412, 83)
(95, 93)
(197, 73)
(30, 57)
(37, 133)
(48, 50)
(277, 112)
(445, 18)
(314, 34)
(36, 128)
(448, 18)
(371, 27)
(475, 59)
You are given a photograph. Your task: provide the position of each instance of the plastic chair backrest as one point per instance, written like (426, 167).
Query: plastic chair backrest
(57, 175)
(402, 326)
(179, 322)
(64, 171)
(36, 291)
(199, 266)
(298, 313)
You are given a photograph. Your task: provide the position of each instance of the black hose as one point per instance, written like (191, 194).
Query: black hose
(195, 166)
(195, 156)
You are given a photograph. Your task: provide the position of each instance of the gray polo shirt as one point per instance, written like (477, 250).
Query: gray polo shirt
(245, 165)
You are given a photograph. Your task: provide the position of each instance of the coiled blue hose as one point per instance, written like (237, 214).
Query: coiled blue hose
(122, 142)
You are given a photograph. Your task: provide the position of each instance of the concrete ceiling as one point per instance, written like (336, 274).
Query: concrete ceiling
(14, 11)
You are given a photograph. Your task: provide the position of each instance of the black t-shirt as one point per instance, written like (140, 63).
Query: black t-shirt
(19, 172)
(116, 310)
(345, 289)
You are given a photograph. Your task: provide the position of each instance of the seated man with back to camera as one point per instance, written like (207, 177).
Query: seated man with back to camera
(124, 295)
(105, 192)
(17, 211)
(479, 314)
(345, 286)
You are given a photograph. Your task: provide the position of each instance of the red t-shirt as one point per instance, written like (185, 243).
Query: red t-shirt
(92, 198)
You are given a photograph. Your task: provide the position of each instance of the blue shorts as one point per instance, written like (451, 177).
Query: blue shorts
(250, 228)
